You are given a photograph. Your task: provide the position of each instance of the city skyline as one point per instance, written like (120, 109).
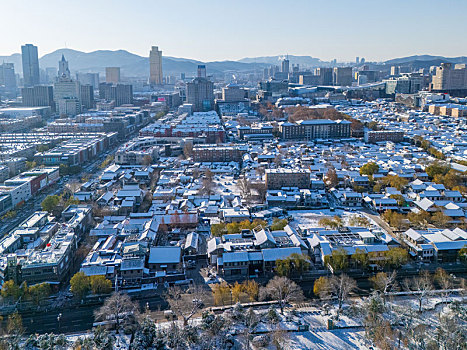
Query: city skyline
(323, 30)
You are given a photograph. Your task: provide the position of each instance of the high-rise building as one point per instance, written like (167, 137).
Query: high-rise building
(63, 70)
(325, 75)
(87, 96)
(67, 92)
(342, 76)
(88, 79)
(200, 93)
(112, 75)
(30, 61)
(285, 66)
(155, 66)
(7, 76)
(448, 79)
(201, 71)
(121, 94)
(38, 96)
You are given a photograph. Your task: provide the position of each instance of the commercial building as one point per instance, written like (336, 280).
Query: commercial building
(325, 75)
(450, 79)
(39, 95)
(342, 76)
(121, 94)
(155, 66)
(112, 75)
(279, 178)
(200, 93)
(7, 76)
(67, 92)
(218, 153)
(30, 60)
(373, 136)
(315, 129)
(87, 96)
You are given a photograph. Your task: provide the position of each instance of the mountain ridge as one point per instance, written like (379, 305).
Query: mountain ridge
(133, 65)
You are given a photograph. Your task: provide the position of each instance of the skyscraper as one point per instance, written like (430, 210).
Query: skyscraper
(200, 92)
(201, 71)
(39, 95)
(7, 76)
(155, 66)
(342, 76)
(112, 75)
(285, 66)
(67, 92)
(30, 61)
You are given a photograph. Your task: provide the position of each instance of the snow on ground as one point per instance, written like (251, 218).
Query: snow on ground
(323, 340)
(311, 217)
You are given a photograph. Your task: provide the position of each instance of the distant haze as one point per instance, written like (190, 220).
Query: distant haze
(212, 30)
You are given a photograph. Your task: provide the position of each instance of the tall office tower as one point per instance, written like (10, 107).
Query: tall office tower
(88, 79)
(112, 75)
(357, 60)
(87, 96)
(201, 71)
(200, 93)
(38, 96)
(395, 70)
(342, 76)
(67, 92)
(155, 66)
(325, 75)
(285, 66)
(121, 94)
(30, 61)
(7, 76)
(450, 79)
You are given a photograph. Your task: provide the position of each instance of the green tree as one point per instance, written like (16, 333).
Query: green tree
(100, 285)
(463, 253)
(360, 257)
(80, 284)
(397, 257)
(278, 225)
(218, 230)
(50, 203)
(337, 260)
(369, 169)
(436, 169)
(283, 267)
(38, 292)
(30, 165)
(11, 290)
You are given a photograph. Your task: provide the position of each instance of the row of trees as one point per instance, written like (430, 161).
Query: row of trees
(81, 285)
(339, 259)
(219, 229)
(225, 293)
(422, 219)
(35, 293)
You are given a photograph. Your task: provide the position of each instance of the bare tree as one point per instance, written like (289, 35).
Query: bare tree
(185, 304)
(341, 286)
(283, 290)
(445, 281)
(244, 186)
(422, 285)
(384, 283)
(118, 308)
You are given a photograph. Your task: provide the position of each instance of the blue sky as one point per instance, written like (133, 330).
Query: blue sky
(220, 30)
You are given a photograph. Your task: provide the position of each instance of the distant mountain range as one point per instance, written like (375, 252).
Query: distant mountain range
(133, 65)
